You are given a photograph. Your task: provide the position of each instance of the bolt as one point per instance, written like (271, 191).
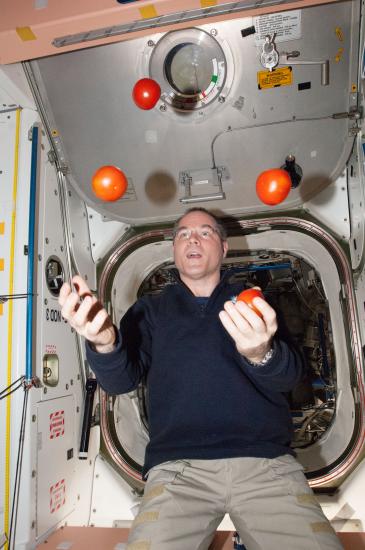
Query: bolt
(34, 473)
(56, 192)
(221, 99)
(69, 194)
(47, 240)
(213, 32)
(39, 257)
(44, 390)
(77, 409)
(163, 107)
(150, 43)
(34, 418)
(33, 524)
(61, 248)
(66, 386)
(45, 301)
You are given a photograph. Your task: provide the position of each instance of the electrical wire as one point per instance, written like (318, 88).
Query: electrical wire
(264, 124)
(5, 297)
(4, 393)
(302, 297)
(15, 504)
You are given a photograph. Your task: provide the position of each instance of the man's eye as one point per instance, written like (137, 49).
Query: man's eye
(183, 235)
(206, 233)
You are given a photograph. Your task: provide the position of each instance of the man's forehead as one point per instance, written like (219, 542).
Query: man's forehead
(197, 218)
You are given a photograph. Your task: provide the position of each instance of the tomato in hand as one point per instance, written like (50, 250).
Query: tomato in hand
(273, 186)
(109, 183)
(146, 93)
(248, 295)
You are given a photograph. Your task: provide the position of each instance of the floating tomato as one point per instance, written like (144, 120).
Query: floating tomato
(273, 186)
(248, 295)
(109, 183)
(146, 93)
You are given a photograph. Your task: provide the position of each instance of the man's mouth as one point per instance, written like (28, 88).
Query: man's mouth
(193, 255)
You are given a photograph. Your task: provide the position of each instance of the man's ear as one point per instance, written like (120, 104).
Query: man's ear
(225, 248)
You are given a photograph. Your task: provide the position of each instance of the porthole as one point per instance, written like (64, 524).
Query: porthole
(191, 66)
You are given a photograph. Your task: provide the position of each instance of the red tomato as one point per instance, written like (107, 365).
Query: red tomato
(109, 183)
(248, 295)
(273, 186)
(146, 93)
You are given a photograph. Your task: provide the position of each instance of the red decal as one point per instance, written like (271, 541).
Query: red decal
(56, 424)
(57, 495)
(51, 349)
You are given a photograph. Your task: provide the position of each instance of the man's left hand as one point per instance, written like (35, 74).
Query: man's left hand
(251, 333)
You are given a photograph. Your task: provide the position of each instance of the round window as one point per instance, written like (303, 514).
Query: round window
(191, 66)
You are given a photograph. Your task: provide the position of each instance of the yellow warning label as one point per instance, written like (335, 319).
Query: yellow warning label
(2, 228)
(208, 3)
(1, 309)
(339, 33)
(147, 12)
(25, 33)
(1, 264)
(274, 78)
(339, 55)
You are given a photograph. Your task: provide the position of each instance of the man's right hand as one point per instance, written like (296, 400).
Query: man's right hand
(87, 317)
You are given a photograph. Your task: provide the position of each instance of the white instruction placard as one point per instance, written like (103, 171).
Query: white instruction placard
(285, 25)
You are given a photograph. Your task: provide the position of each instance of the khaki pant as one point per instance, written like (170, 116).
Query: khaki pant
(269, 501)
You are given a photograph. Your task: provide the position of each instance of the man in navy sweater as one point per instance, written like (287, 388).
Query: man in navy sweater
(219, 422)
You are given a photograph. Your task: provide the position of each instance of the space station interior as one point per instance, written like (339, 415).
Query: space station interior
(241, 92)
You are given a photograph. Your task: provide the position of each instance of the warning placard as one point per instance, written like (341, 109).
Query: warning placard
(57, 496)
(285, 25)
(274, 78)
(56, 424)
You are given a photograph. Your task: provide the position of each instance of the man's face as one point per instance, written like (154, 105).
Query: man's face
(198, 248)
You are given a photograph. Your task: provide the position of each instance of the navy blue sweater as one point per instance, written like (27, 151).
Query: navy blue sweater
(205, 400)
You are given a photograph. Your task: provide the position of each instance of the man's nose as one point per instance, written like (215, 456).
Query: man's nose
(194, 237)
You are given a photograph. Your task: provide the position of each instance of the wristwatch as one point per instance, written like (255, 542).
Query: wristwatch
(265, 359)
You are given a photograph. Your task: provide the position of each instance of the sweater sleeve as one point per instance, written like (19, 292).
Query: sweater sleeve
(121, 370)
(281, 373)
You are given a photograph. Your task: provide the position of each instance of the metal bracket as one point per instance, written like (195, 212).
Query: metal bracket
(207, 176)
(51, 156)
